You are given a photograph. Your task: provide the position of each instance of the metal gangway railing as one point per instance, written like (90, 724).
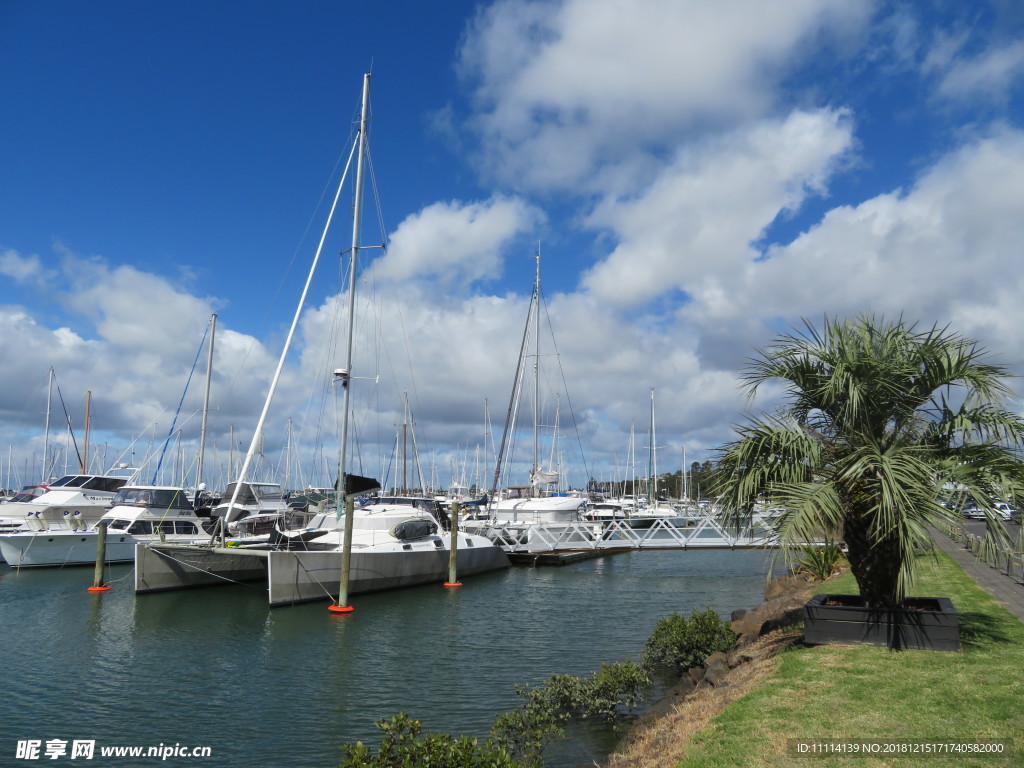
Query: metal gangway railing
(662, 533)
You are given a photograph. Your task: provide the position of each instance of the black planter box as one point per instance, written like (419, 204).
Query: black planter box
(927, 623)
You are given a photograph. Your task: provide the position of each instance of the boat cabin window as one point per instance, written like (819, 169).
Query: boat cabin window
(109, 484)
(177, 526)
(267, 491)
(70, 481)
(141, 526)
(29, 492)
(252, 493)
(157, 498)
(518, 492)
(118, 525)
(90, 482)
(244, 494)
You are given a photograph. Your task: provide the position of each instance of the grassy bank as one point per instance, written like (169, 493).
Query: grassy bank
(865, 693)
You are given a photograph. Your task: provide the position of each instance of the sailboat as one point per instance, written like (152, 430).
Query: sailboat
(386, 545)
(529, 512)
(653, 508)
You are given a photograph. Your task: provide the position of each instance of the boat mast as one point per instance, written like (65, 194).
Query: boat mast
(652, 491)
(345, 374)
(206, 407)
(684, 492)
(46, 432)
(536, 374)
(258, 433)
(85, 439)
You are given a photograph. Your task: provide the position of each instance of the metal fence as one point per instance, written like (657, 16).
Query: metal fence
(1008, 561)
(666, 533)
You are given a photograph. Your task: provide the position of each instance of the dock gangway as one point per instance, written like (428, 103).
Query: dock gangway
(662, 533)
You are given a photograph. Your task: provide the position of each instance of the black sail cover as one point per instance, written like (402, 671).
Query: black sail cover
(356, 484)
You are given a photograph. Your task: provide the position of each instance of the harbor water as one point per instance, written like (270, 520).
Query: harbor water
(217, 668)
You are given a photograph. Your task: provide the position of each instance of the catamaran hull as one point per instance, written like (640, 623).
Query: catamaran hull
(302, 576)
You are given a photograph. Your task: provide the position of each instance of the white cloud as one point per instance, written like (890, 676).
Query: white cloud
(565, 88)
(692, 228)
(990, 74)
(456, 243)
(22, 269)
(946, 249)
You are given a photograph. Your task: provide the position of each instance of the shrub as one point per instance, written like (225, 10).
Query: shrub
(819, 563)
(525, 731)
(401, 748)
(682, 643)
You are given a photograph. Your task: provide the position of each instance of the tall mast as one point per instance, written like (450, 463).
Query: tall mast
(85, 440)
(206, 406)
(536, 369)
(46, 432)
(652, 491)
(257, 435)
(346, 374)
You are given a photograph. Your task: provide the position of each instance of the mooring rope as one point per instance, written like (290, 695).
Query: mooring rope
(201, 570)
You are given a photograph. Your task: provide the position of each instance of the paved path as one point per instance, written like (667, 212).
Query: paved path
(1005, 589)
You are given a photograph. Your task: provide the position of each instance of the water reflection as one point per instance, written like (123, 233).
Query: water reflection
(286, 687)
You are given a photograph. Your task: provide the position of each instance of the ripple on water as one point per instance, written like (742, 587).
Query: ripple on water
(218, 668)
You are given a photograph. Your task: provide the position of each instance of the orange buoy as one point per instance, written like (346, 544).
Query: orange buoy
(99, 589)
(340, 608)
(453, 583)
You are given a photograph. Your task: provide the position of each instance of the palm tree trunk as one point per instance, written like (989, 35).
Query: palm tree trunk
(875, 563)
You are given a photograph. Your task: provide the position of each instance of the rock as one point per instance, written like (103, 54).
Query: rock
(719, 656)
(735, 657)
(782, 585)
(716, 671)
(696, 674)
(738, 614)
(684, 687)
(746, 630)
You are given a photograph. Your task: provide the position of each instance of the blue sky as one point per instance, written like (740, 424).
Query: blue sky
(698, 175)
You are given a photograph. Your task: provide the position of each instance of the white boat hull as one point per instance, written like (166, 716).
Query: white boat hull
(302, 576)
(37, 549)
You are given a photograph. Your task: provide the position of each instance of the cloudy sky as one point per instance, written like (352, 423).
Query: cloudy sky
(697, 177)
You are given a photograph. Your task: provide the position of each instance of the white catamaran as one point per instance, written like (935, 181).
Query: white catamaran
(393, 543)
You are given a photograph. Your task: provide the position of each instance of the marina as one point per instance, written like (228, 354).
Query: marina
(286, 687)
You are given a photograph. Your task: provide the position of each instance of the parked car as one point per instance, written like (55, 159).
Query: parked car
(1005, 511)
(1000, 509)
(971, 512)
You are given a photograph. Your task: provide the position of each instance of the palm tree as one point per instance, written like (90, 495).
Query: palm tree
(879, 423)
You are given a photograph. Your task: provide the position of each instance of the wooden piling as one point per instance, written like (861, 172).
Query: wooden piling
(101, 558)
(454, 548)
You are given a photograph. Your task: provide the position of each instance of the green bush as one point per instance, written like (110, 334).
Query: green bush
(819, 563)
(682, 643)
(401, 748)
(525, 731)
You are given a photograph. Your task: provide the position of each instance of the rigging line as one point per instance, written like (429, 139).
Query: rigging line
(512, 400)
(298, 561)
(565, 386)
(384, 247)
(71, 430)
(328, 186)
(208, 573)
(288, 341)
(167, 440)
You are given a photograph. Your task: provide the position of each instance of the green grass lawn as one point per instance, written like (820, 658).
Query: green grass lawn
(860, 693)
